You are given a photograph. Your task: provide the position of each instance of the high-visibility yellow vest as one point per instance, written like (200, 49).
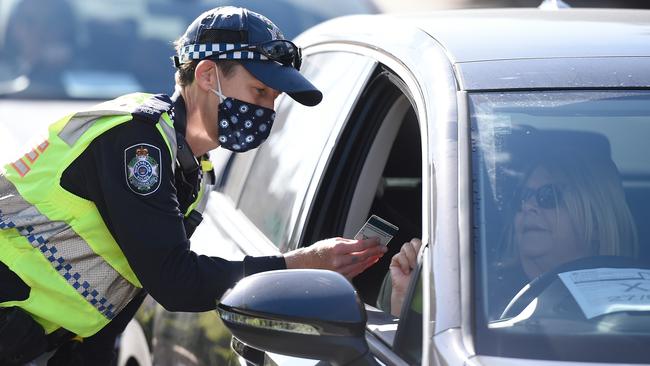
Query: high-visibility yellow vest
(57, 242)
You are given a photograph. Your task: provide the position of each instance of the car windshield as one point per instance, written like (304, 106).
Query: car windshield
(93, 49)
(561, 201)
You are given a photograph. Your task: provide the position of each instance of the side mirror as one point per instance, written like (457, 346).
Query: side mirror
(307, 313)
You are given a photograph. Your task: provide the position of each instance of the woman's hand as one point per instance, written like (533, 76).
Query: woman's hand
(401, 267)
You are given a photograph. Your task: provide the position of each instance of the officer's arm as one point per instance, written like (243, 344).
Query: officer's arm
(127, 173)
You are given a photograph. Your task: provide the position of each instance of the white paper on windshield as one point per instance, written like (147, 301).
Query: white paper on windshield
(601, 291)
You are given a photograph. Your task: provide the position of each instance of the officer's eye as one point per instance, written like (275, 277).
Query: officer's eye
(260, 91)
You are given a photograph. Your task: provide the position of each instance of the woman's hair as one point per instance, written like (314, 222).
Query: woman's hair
(592, 193)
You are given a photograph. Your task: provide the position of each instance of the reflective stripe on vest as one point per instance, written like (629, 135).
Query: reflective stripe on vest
(101, 285)
(56, 242)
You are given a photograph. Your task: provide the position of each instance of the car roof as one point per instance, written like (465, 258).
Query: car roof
(498, 34)
(512, 48)
(523, 33)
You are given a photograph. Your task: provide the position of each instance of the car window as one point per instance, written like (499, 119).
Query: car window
(285, 163)
(391, 186)
(376, 168)
(235, 171)
(561, 197)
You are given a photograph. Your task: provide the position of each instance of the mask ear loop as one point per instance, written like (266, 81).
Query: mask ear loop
(218, 93)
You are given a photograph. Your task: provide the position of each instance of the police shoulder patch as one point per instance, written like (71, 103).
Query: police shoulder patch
(142, 168)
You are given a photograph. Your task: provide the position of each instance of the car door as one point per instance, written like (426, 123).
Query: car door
(376, 168)
(258, 196)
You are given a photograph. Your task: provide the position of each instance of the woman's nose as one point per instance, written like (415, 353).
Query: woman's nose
(529, 203)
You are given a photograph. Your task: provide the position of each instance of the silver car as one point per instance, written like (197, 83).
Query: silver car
(514, 143)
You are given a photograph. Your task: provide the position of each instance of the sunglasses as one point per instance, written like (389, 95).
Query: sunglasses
(547, 196)
(282, 51)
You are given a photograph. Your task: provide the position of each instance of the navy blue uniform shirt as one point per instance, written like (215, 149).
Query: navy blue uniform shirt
(149, 228)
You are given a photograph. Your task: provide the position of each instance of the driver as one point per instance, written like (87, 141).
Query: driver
(570, 206)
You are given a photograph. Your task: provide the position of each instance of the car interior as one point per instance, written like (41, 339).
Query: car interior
(383, 152)
(398, 193)
(523, 143)
(607, 128)
(377, 170)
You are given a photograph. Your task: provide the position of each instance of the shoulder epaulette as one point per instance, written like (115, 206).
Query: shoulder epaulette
(151, 110)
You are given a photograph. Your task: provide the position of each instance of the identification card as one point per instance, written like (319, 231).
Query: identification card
(376, 227)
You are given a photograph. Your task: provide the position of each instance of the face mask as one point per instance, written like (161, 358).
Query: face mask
(242, 126)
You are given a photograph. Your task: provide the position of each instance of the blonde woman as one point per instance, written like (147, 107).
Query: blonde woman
(569, 206)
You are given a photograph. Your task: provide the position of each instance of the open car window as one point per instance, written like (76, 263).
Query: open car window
(376, 169)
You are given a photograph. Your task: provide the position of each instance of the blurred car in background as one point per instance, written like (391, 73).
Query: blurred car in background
(58, 56)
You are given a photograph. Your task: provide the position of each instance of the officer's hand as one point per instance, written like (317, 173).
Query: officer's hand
(401, 267)
(348, 257)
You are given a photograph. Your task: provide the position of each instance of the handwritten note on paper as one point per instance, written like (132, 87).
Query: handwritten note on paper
(601, 291)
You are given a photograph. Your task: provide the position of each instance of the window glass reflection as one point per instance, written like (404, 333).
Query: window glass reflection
(561, 195)
(285, 163)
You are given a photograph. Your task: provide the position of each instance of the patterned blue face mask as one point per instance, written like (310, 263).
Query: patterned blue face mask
(242, 126)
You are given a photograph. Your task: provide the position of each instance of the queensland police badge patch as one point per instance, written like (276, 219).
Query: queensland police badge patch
(142, 167)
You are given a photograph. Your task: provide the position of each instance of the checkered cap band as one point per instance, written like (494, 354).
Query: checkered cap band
(201, 51)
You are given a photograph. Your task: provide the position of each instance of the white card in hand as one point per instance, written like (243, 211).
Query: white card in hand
(376, 227)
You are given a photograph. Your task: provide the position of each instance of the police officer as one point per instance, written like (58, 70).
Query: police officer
(101, 211)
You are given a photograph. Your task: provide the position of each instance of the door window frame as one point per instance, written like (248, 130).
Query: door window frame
(307, 235)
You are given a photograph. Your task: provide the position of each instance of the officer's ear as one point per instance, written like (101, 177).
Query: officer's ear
(205, 75)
